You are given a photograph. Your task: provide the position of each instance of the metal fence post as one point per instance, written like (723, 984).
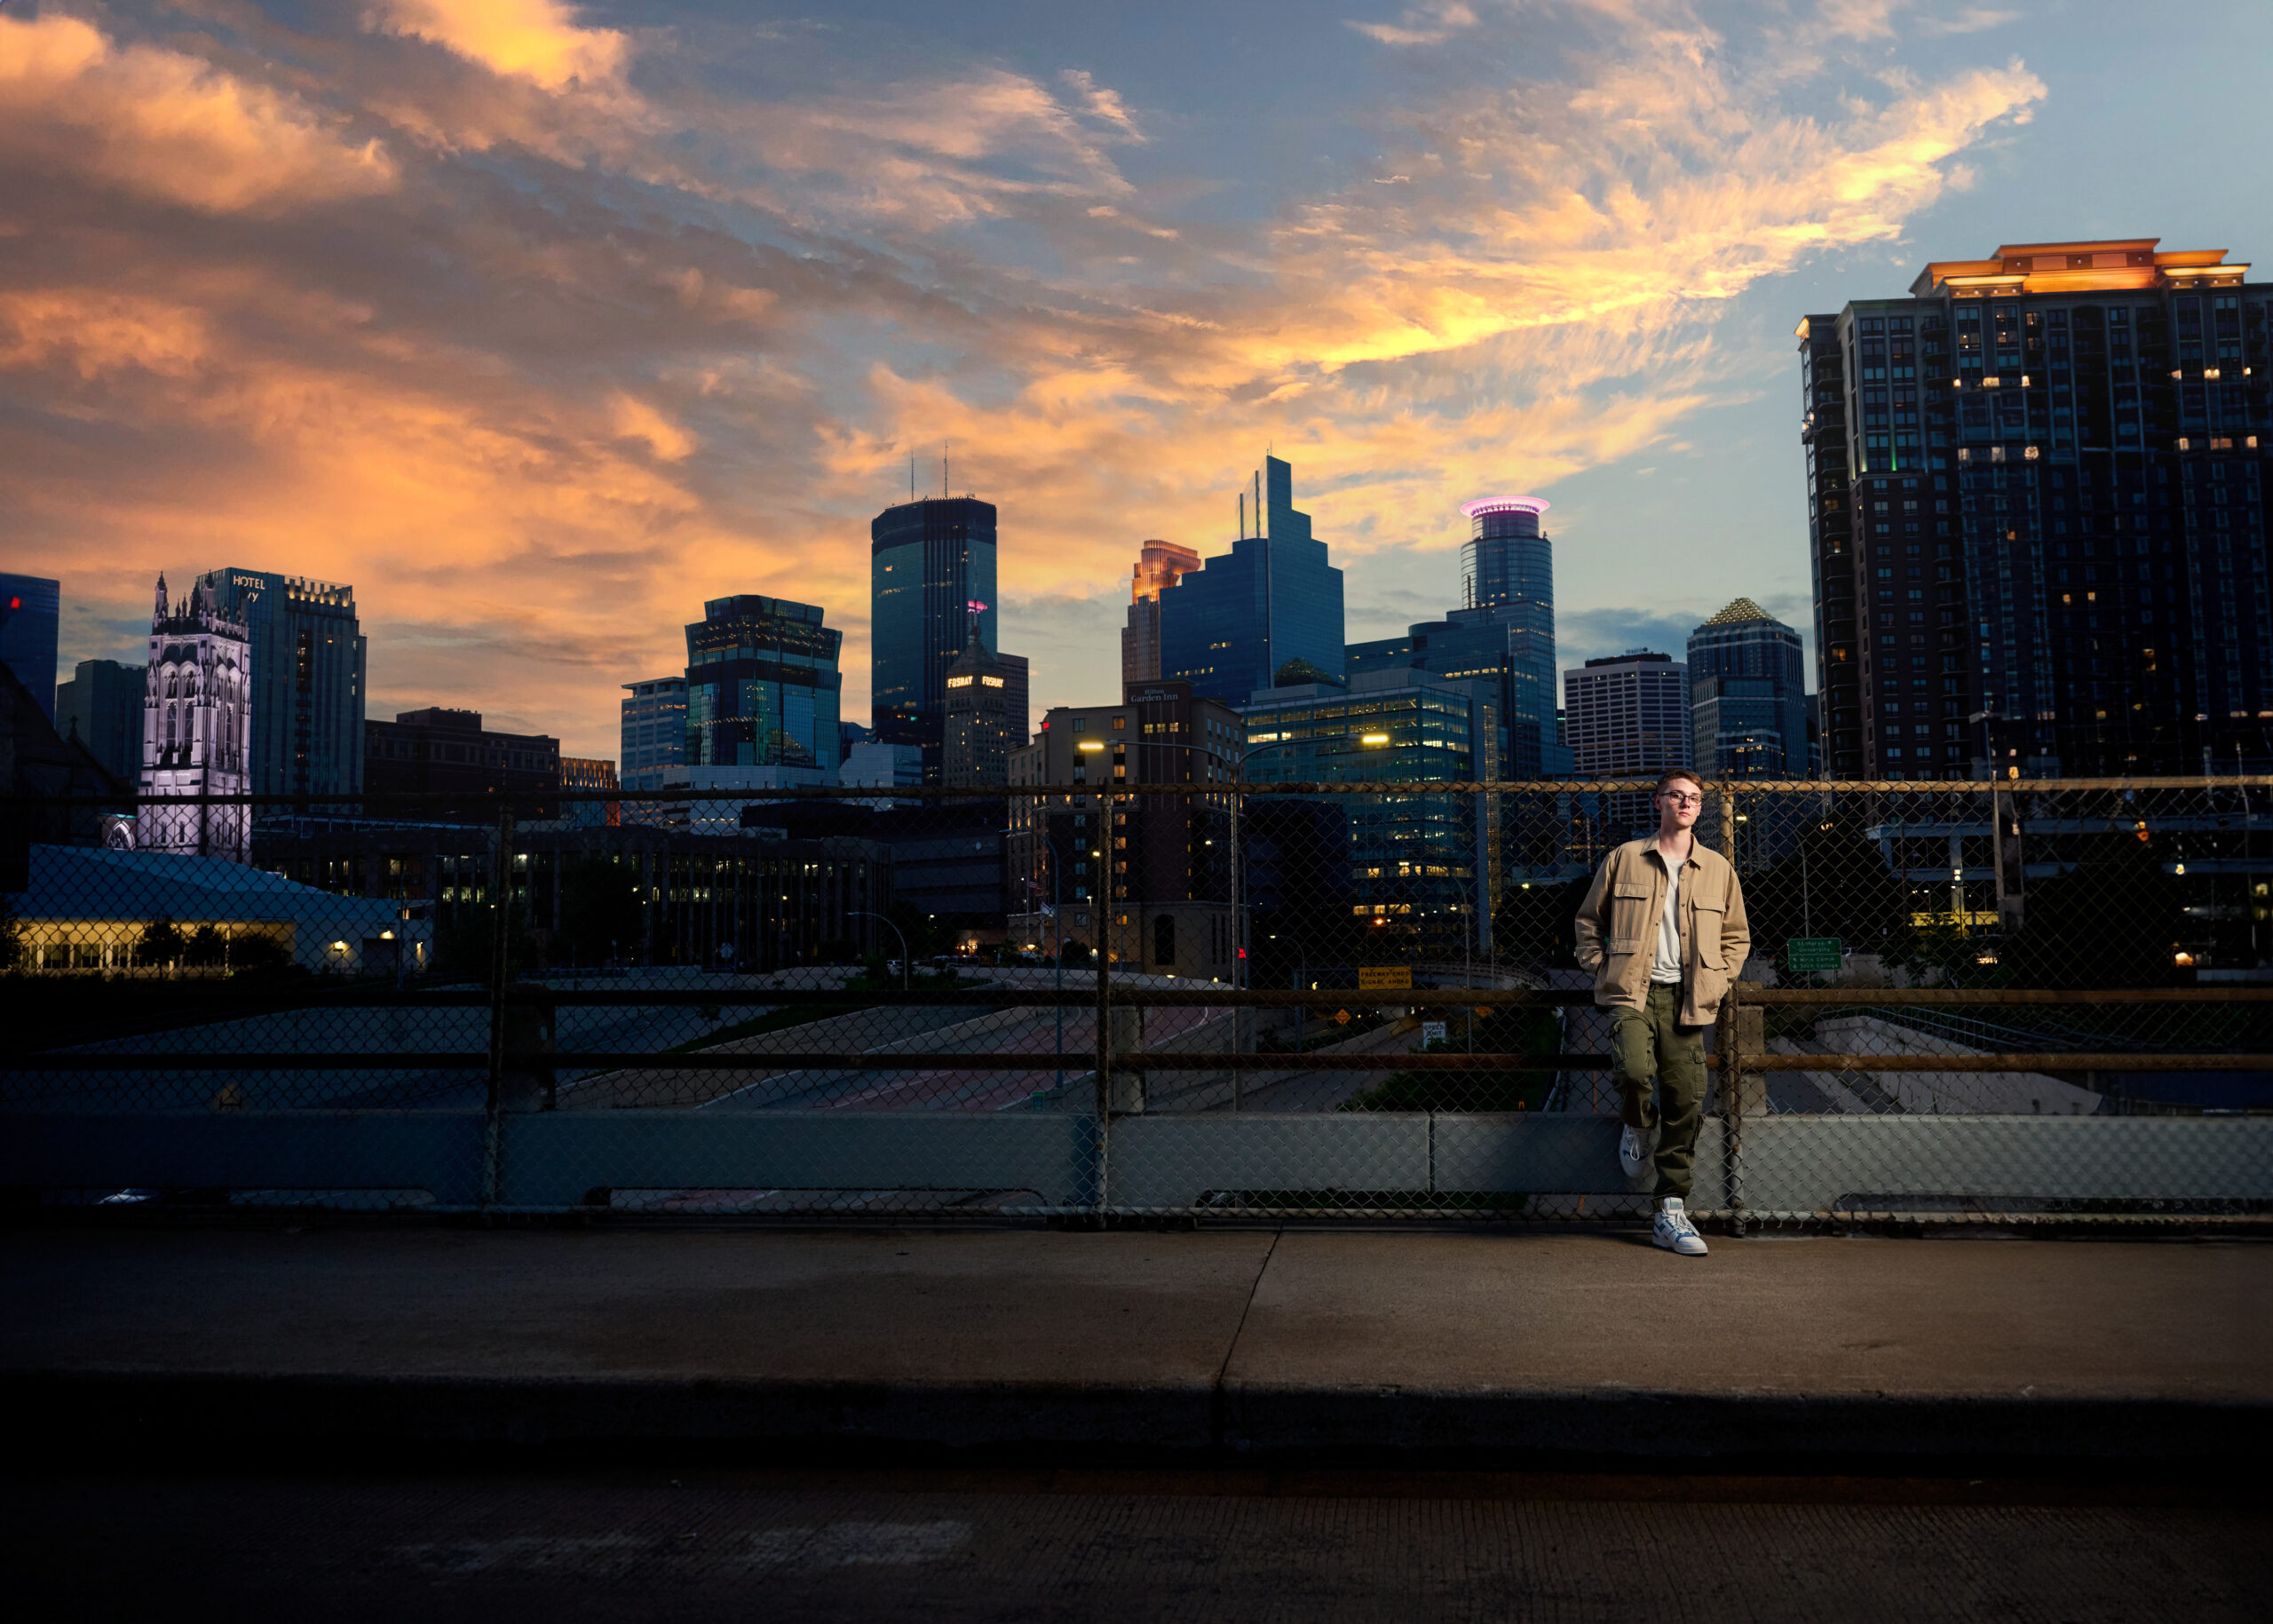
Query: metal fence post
(501, 895)
(1741, 1028)
(1105, 904)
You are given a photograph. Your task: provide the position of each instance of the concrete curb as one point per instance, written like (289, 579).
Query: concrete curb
(346, 1419)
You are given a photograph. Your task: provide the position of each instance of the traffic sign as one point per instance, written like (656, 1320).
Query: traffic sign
(1433, 1032)
(1813, 953)
(1385, 978)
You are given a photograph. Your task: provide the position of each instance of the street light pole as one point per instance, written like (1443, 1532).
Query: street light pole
(861, 912)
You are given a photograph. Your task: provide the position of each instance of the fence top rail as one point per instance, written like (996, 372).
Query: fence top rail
(1754, 993)
(490, 803)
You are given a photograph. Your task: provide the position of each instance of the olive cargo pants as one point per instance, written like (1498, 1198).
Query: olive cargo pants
(1652, 1043)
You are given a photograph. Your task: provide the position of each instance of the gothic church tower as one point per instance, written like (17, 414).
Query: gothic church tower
(196, 728)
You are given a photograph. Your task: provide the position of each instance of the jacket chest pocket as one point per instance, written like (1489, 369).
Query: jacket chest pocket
(1629, 915)
(1705, 923)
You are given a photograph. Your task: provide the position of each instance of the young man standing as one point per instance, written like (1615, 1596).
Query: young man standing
(1663, 933)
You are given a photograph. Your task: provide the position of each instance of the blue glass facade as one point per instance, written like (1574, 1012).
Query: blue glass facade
(930, 579)
(654, 731)
(1424, 868)
(1503, 633)
(1747, 696)
(1228, 627)
(29, 614)
(762, 686)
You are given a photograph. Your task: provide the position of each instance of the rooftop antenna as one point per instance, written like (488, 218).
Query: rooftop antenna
(943, 469)
(1242, 516)
(911, 476)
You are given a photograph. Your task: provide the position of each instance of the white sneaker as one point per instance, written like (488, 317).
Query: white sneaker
(1633, 1153)
(1672, 1230)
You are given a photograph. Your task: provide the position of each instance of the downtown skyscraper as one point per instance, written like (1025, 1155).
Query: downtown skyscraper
(1160, 564)
(2036, 494)
(1231, 626)
(931, 587)
(1502, 634)
(762, 688)
(309, 664)
(1747, 696)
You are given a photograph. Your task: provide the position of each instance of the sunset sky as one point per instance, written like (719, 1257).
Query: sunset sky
(541, 323)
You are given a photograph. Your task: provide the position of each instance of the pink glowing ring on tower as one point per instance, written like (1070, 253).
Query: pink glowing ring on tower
(1504, 504)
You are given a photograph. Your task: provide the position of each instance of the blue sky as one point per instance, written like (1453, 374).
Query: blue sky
(541, 323)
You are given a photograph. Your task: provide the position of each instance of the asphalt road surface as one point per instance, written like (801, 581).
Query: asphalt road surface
(1003, 1545)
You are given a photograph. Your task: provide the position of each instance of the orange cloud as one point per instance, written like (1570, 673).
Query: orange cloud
(164, 125)
(536, 40)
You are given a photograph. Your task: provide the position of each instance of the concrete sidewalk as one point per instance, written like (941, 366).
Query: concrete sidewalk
(1309, 1344)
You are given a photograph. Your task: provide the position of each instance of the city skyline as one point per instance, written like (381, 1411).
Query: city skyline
(408, 332)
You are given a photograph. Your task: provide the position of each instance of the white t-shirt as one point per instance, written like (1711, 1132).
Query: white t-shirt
(1665, 963)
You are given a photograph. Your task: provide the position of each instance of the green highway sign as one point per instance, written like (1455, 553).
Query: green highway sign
(1813, 953)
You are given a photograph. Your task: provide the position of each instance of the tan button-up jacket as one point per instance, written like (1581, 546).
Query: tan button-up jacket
(1616, 928)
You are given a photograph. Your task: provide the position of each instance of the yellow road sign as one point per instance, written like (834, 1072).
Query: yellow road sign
(1385, 978)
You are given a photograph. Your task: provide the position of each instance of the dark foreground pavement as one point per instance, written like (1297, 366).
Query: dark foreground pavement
(1336, 1345)
(1131, 1545)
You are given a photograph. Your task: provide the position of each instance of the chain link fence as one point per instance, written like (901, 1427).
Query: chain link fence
(1965, 1001)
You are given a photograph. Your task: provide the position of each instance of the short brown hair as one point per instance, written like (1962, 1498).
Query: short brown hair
(1675, 775)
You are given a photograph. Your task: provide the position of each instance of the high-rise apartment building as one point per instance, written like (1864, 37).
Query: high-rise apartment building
(1159, 566)
(101, 707)
(1229, 627)
(309, 657)
(1504, 632)
(985, 719)
(196, 728)
(1747, 696)
(762, 684)
(654, 731)
(2036, 494)
(1629, 714)
(30, 611)
(930, 584)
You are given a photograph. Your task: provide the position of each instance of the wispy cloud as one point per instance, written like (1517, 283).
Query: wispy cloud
(1967, 19)
(1430, 23)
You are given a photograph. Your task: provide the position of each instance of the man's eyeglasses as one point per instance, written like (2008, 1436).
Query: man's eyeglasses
(1683, 800)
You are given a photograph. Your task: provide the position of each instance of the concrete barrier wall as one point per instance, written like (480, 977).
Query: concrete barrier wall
(1153, 1163)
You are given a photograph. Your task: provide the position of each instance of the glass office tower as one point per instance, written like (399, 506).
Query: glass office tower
(2037, 500)
(654, 731)
(930, 579)
(1229, 627)
(1747, 699)
(309, 656)
(1160, 564)
(762, 686)
(30, 610)
(1503, 633)
(1424, 870)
